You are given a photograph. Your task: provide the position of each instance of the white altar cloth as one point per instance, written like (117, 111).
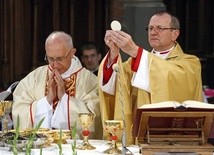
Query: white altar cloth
(100, 145)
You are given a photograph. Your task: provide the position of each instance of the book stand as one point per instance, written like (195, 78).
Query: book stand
(175, 131)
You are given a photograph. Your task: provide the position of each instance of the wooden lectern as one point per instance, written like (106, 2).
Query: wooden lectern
(174, 131)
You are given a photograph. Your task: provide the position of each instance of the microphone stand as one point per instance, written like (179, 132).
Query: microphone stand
(123, 138)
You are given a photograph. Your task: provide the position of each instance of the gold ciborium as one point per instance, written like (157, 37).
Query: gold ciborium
(86, 119)
(113, 127)
(5, 110)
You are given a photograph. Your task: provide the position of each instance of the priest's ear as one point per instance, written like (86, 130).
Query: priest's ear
(175, 34)
(73, 51)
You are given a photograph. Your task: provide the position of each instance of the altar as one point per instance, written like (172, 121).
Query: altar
(101, 146)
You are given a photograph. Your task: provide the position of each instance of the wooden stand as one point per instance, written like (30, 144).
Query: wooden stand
(176, 131)
(205, 149)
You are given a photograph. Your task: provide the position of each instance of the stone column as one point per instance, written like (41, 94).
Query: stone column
(136, 17)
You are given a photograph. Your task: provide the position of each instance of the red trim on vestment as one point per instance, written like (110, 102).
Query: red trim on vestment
(74, 73)
(107, 71)
(161, 52)
(68, 107)
(136, 60)
(74, 93)
(31, 114)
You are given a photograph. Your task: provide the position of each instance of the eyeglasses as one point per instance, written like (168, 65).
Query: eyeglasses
(57, 59)
(159, 29)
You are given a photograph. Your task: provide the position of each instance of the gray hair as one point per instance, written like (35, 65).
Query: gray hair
(60, 37)
(174, 20)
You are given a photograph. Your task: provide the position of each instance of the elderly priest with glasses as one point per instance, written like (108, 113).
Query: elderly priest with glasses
(58, 91)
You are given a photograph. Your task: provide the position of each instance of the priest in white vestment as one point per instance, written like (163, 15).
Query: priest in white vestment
(59, 91)
(165, 74)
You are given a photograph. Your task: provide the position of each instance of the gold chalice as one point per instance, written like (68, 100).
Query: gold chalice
(86, 119)
(5, 110)
(113, 126)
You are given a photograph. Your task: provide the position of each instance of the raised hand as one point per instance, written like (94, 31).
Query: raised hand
(114, 49)
(124, 42)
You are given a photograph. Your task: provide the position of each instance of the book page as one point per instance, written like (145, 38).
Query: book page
(197, 104)
(166, 104)
(174, 104)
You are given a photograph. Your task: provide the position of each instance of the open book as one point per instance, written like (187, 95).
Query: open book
(179, 106)
(170, 106)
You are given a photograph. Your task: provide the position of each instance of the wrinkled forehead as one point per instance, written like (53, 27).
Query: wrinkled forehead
(160, 20)
(56, 47)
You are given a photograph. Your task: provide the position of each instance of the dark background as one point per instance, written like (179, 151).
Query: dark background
(25, 24)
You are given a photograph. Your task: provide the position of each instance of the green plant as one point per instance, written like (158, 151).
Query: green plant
(32, 137)
(40, 152)
(74, 137)
(14, 146)
(60, 142)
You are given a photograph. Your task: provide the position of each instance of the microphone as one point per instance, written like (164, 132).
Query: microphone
(6, 93)
(115, 67)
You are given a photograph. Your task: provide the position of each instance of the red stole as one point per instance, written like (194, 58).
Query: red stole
(70, 85)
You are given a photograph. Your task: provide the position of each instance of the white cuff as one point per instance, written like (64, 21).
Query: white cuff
(110, 86)
(43, 110)
(140, 78)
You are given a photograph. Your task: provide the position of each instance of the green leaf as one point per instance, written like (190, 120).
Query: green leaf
(40, 151)
(74, 137)
(14, 146)
(32, 137)
(60, 142)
